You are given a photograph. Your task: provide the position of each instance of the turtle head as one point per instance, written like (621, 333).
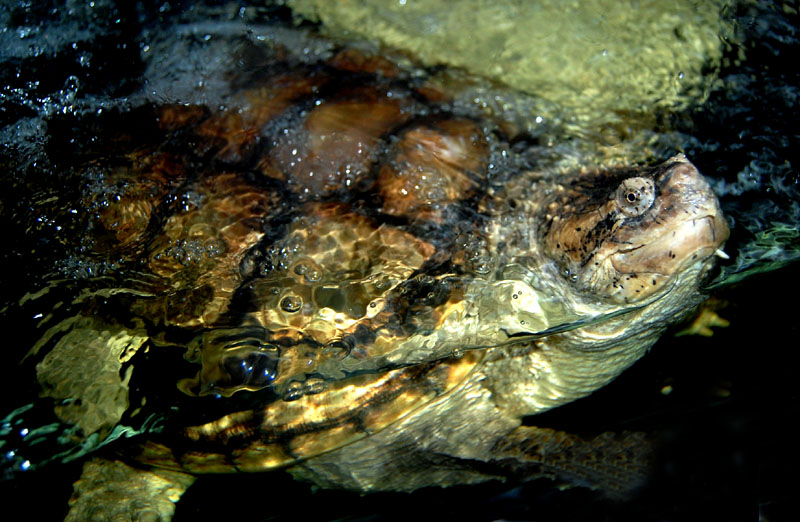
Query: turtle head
(627, 235)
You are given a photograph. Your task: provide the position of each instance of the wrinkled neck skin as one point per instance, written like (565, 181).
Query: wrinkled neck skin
(546, 373)
(587, 249)
(525, 303)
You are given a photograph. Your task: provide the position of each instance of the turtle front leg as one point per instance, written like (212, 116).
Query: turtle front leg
(113, 490)
(616, 464)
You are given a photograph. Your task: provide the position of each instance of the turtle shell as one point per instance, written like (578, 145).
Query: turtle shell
(342, 247)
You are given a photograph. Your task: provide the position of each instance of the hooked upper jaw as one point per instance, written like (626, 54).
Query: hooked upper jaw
(667, 254)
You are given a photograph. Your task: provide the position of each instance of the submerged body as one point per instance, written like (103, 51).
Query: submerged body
(510, 365)
(371, 285)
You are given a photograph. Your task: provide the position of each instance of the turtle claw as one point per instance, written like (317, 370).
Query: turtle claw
(703, 323)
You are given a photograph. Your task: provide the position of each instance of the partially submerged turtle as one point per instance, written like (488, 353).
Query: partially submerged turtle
(345, 274)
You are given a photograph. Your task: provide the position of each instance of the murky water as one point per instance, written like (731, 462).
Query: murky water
(80, 80)
(598, 67)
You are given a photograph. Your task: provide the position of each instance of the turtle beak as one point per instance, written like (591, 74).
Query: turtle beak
(692, 240)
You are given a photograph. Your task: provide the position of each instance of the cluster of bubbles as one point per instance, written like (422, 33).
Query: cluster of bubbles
(190, 252)
(472, 251)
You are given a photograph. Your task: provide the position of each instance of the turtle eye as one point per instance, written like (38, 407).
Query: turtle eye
(635, 195)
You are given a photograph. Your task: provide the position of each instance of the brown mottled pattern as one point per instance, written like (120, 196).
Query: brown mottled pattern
(231, 134)
(432, 169)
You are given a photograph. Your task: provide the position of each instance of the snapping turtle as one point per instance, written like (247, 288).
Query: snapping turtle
(345, 274)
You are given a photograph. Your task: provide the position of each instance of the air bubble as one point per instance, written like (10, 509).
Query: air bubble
(254, 369)
(310, 357)
(482, 268)
(479, 259)
(291, 303)
(294, 390)
(314, 386)
(309, 270)
(313, 275)
(375, 307)
(336, 350)
(383, 285)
